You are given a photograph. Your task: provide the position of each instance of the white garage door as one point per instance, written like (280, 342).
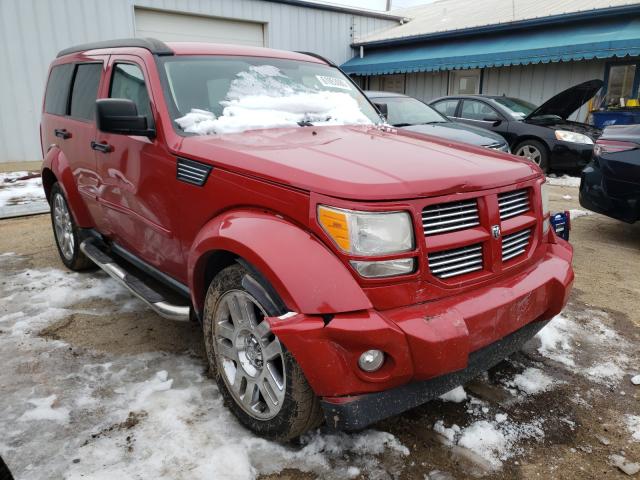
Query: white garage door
(178, 27)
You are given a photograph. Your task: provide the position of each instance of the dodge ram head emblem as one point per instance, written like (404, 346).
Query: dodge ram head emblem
(495, 231)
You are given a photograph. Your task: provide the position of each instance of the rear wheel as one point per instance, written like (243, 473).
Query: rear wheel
(260, 380)
(535, 152)
(66, 232)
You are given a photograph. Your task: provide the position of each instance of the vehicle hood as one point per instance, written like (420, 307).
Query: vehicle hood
(459, 132)
(555, 123)
(626, 133)
(358, 162)
(565, 103)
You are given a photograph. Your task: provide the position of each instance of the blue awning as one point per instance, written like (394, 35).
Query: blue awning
(597, 39)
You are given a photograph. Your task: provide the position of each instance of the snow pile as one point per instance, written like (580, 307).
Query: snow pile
(457, 395)
(635, 380)
(17, 189)
(577, 213)
(588, 331)
(70, 413)
(633, 425)
(563, 181)
(532, 381)
(494, 441)
(263, 97)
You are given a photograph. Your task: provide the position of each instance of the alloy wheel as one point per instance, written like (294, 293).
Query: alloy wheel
(249, 356)
(63, 226)
(530, 153)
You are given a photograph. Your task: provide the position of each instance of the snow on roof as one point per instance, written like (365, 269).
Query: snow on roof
(451, 15)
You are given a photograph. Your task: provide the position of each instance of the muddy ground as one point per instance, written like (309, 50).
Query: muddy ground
(569, 430)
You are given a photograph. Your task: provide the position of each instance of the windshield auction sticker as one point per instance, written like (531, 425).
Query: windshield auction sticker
(334, 82)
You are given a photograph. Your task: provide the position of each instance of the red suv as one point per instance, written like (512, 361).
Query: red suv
(341, 269)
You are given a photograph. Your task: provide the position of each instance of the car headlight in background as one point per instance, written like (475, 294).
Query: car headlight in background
(546, 212)
(573, 137)
(371, 234)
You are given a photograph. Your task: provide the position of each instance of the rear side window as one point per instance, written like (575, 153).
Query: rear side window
(57, 94)
(447, 107)
(85, 90)
(128, 82)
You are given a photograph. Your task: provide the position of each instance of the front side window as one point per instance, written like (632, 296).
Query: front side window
(405, 111)
(215, 95)
(128, 82)
(474, 110)
(57, 95)
(447, 107)
(85, 90)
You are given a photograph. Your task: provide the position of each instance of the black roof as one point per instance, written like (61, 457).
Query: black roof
(153, 45)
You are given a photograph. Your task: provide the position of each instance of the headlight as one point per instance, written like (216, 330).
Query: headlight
(573, 137)
(384, 268)
(544, 194)
(366, 233)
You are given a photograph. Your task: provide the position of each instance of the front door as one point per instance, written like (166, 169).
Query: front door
(480, 114)
(139, 211)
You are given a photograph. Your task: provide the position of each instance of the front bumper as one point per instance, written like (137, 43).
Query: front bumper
(570, 155)
(614, 198)
(429, 347)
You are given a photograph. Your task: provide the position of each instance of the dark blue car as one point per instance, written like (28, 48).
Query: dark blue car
(610, 183)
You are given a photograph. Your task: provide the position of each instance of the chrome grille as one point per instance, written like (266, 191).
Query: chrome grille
(513, 203)
(450, 263)
(515, 244)
(447, 217)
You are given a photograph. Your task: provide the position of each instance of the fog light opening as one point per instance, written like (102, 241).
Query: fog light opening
(371, 360)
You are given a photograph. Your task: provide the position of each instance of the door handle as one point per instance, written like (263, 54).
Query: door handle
(101, 147)
(62, 133)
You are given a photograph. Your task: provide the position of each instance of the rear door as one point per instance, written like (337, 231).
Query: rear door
(69, 121)
(137, 177)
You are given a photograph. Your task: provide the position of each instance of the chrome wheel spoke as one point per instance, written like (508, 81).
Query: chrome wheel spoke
(263, 329)
(63, 227)
(272, 350)
(227, 350)
(226, 330)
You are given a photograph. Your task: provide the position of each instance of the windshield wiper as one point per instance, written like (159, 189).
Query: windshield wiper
(399, 125)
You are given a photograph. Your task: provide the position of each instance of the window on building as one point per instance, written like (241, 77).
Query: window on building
(393, 83)
(447, 107)
(128, 82)
(57, 95)
(476, 110)
(464, 82)
(85, 90)
(620, 83)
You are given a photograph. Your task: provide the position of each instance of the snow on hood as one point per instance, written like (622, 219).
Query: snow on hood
(263, 98)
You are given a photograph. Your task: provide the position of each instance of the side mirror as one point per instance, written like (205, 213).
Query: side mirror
(495, 121)
(120, 116)
(382, 108)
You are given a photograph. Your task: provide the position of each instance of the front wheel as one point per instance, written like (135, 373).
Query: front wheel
(259, 378)
(66, 232)
(535, 152)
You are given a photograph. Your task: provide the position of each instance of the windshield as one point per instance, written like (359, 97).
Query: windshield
(214, 95)
(406, 111)
(517, 108)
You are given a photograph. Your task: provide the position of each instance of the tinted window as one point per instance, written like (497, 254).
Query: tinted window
(475, 110)
(85, 90)
(447, 107)
(57, 95)
(405, 111)
(128, 82)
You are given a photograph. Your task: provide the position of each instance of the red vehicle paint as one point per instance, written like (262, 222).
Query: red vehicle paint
(259, 205)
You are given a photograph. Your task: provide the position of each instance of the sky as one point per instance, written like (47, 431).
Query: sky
(378, 4)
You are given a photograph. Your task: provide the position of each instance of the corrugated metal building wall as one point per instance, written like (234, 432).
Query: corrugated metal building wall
(534, 83)
(33, 31)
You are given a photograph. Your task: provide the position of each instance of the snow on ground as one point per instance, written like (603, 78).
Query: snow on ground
(532, 381)
(563, 181)
(633, 425)
(457, 395)
(577, 213)
(17, 189)
(566, 333)
(264, 97)
(494, 440)
(79, 414)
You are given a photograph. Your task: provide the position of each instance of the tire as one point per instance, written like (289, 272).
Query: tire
(282, 405)
(66, 232)
(535, 151)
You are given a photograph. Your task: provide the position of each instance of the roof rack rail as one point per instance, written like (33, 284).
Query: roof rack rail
(318, 56)
(155, 46)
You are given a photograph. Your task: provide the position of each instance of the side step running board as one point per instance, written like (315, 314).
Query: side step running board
(141, 290)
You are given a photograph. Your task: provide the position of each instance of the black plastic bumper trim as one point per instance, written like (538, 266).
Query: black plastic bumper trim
(363, 410)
